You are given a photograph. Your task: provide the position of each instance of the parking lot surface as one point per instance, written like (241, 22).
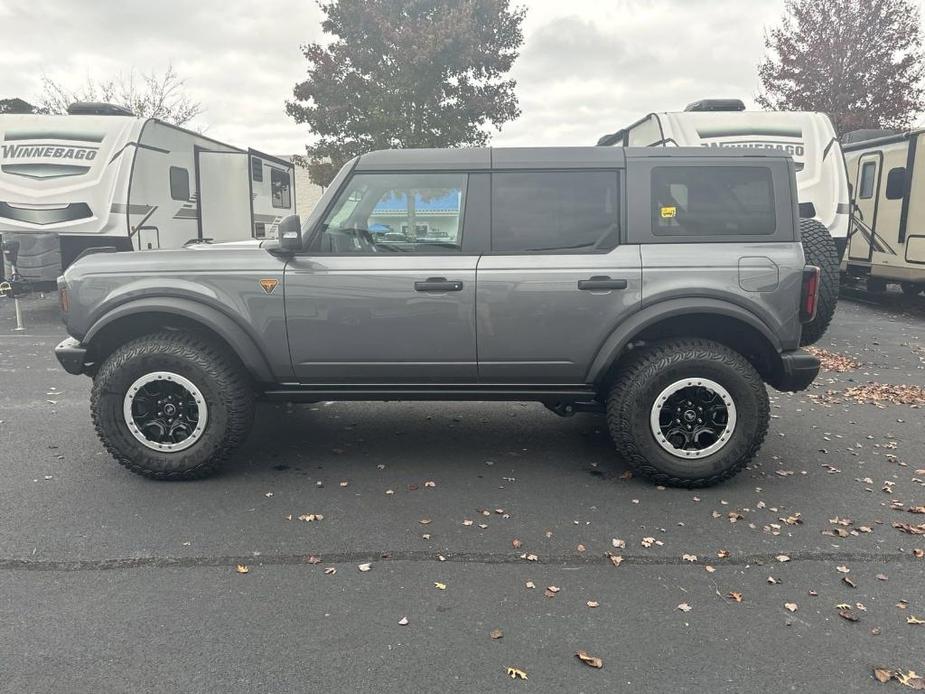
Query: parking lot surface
(790, 577)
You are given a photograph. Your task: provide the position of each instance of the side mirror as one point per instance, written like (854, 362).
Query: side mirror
(290, 234)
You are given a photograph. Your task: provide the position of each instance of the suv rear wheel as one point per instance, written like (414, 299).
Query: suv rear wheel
(688, 412)
(171, 406)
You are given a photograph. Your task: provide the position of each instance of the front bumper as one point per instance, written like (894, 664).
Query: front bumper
(797, 370)
(72, 356)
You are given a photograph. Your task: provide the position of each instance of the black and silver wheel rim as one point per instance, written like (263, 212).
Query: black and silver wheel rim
(693, 418)
(165, 411)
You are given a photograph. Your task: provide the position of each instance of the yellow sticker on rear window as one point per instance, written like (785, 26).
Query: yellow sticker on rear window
(669, 212)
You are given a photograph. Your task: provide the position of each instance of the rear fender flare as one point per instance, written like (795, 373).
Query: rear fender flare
(624, 333)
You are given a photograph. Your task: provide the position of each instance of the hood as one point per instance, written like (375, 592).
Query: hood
(248, 243)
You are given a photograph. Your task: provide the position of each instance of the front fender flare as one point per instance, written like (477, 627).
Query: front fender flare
(223, 325)
(624, 333)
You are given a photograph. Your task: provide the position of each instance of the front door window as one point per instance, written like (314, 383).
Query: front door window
(396, 213)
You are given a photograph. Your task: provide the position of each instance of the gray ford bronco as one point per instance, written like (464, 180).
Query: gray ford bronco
(661, 287)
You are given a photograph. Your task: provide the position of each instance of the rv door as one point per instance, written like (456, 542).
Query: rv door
(864, 217)
(224, 195)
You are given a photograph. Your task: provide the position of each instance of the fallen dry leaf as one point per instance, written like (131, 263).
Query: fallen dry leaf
(847, 581)
(364, 567)
(551, 591)
(581, 548)
(439, 586)
(615, 559)
(430, 483)
(912, 619)
(910, 679)
(874, 394)
(590, 660)
(310, 517)
(684, 607)
(330, 571)
(313, 559)
(403, 621)
(530, 585)
(909, 528)
(842, 569)
(689, 557)
(723, 554)
(618, 543)
(882, 675)
(495, 634)
(425, 521)
(516, 544)
(790, 606)
(709, 569)
(782, 558)
(848, 614)
(516, 673)
(242, 568)
(735, 597)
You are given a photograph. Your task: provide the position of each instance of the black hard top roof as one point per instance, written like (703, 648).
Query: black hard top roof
(476, 158)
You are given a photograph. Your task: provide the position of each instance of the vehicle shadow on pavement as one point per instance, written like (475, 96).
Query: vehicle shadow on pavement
(356, 436)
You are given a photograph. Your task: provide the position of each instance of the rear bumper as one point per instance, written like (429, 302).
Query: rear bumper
(797, 370)
(72, 356)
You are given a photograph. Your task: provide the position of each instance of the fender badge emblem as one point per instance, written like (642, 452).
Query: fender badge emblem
(268, 285)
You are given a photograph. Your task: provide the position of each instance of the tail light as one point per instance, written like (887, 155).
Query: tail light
(809, 297)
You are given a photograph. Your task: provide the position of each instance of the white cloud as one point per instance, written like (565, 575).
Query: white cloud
(587, 66)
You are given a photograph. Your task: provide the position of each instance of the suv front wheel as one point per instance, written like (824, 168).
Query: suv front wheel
(171, 406)
(688, 412)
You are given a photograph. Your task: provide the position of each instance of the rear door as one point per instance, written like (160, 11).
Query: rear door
(386, 295)
(864, 219)
(224, 195)
(558, 280)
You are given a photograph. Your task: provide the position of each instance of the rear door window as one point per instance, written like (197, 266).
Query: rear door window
(712, 201)
(555, 211)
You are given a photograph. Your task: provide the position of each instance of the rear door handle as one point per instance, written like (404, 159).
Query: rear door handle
(600, 283)
(438, 284)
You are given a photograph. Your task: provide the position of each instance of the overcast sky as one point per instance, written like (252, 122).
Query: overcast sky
(587, 66)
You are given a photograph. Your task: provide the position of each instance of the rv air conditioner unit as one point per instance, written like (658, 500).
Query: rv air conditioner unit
(94, 108)
(716, 105)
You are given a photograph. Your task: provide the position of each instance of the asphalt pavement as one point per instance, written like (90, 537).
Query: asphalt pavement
(113, 583)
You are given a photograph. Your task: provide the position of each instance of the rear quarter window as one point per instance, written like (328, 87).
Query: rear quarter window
(712, 201)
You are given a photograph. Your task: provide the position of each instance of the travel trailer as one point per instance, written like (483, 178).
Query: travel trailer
(886, 243)
(101, 176)
(809, 138)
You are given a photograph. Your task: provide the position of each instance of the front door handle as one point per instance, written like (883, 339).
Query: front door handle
(601, 283)
(438, 284)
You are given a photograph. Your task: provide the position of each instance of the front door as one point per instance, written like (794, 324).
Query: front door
(385, 294)
(864, 214)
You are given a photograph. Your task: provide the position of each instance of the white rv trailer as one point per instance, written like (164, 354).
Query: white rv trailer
(808, 137)
(887, 238)
(101, 176)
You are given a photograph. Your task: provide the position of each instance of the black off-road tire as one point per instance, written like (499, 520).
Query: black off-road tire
(912, 288)
(819, 250)
(661, 364)
(222, 380)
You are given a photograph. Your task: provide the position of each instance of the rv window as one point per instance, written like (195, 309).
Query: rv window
(712, 201)
(257, 170)
(279, 188)
(868, 173)
(896, 183)
(555, 212)
(179, 183)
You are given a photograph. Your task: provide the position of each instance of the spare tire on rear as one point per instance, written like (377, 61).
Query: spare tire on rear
(819, 250)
